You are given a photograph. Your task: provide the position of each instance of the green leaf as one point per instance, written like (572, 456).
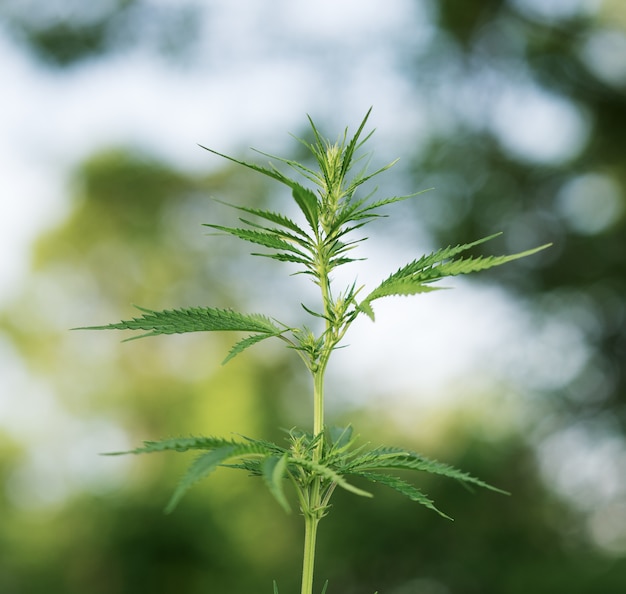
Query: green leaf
(304, 198)
(243, 344)
(307, 201)
(193, 319)
(265, 238)
(299, 167)
(354, 144)
(205, 464)
(269, 172)
(340, 438)
(285, 257)
(178, 444)
(405, 460)
(396, 288)
(416, 276)
(367, 211)
(268, 446)
(274, 217)
(288, 236)
(328, 474)
(403, 487)
(468, 265)
(201, 468)
(274, 469)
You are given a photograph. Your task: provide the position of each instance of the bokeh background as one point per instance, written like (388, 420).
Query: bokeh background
(513, 110)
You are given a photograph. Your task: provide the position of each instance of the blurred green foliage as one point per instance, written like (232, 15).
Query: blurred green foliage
(134, 236)
(66, 33)
(117, 540)
(577, 199)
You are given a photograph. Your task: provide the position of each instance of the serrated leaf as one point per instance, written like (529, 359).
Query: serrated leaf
(307, 201)
(201, 468)
(269, 172)
(406, 460)
(293, 238)
(299, 167)
(273, 470)
(396, 288)
(193, 319)
(251, 465)
(265, 238)
(178, 444)
(353, 144)
(468, 265)
(416, 276)
(340, 438)
(243, 344)
(268, 446)
(406, 489)
(275, 217)
(286, 257)
(304, 198)
(368, 210)
(205, 464)
(329, 474)
(366, 308)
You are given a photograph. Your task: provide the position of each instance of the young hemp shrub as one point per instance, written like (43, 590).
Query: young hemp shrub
(316, 461)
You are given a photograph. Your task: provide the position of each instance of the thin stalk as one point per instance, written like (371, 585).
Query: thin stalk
(313, 511)
(311, 521)
(314, 507)
(318, 408)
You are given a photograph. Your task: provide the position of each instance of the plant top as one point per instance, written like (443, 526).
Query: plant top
(314, 462)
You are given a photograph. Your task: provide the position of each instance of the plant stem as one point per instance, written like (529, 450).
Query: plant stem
(311, 520)
(318, 408)
(313, 510)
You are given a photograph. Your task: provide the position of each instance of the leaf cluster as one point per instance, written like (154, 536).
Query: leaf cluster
(332, 212)
(330, 208)
(299, 465)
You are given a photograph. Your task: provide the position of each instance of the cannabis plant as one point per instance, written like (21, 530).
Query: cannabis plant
(314, 462)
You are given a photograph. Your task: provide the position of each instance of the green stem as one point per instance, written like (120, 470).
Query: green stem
(318, 407)
(313, 510)
(311, 521)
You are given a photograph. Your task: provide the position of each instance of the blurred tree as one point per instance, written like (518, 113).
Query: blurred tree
(533, 146)
(64, 33)
(492, 71)
(129, 238)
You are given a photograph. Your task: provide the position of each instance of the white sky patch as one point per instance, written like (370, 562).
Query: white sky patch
(591, 203)
(62, 451)
(586, 465)
(538, 126)
(605, 53)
